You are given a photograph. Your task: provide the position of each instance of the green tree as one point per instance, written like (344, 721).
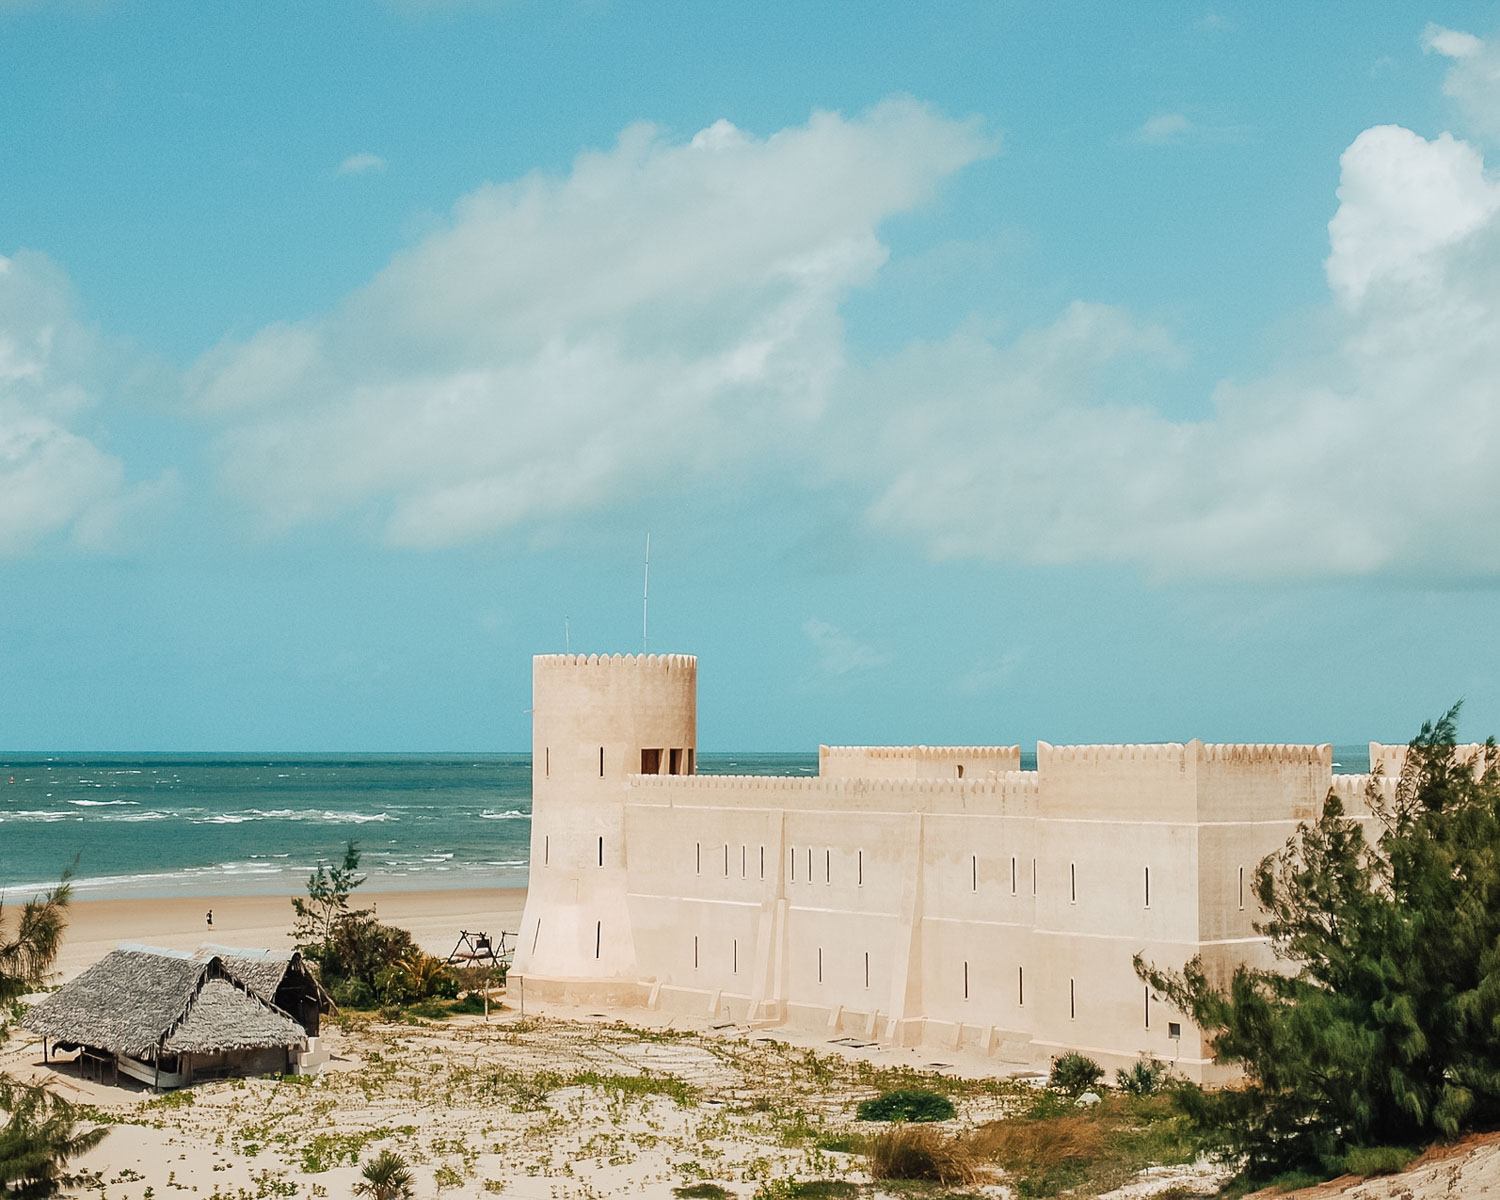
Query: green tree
(1383, 1025)
(327, 903)
(28, 952)
(386, 1177)
(39, 1136)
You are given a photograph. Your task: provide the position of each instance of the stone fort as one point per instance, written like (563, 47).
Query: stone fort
(915, 895)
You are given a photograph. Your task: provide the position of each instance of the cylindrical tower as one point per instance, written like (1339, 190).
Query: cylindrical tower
(596, 720)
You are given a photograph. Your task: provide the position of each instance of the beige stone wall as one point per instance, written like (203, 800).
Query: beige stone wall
(891, 897)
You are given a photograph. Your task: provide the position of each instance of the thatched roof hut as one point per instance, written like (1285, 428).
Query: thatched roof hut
(147, 1003)
(280, 976)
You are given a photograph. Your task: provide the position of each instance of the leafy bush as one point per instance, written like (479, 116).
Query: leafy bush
(702, 1191)
(1144, 1078)
(918, 1152)
(386, 1177)
(1075, 1073)
(906, 1104)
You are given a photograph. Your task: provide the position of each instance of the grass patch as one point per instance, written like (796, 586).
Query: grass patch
(1376, 1160)
(701, 1191)
(825, 1189)
(921, 1152)
(1084, 1152)
(906, 1104)
(843, 1141)
(641, 1085)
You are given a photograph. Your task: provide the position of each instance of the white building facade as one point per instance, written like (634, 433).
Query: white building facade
(906, 895)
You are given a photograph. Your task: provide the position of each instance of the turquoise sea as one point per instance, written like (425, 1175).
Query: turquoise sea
(227, 824)
(206, 824)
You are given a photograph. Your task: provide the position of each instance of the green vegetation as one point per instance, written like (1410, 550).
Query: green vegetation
(28, 952)
(1075, 1073)
(386, 1177)
(1386, 1032)
(1144, 1078)
(1057, 1148)
(701, 1191)
(364, 964)
(38, 1137)
(906, 1104)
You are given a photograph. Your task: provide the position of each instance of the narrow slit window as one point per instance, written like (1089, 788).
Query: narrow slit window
(1072, 883)
(651, 762)
(762, 862)
(598, 937)
(1020, 987)
(794, 864)
(698, 857)
(1012, 874)
(1072, 1001)
(674, 761)
(546, 849)
(734, 961)
(547, 762)
(601, 851)
(966, 979)
(860, 868)
(867, 968)
(827, 866)
(960, 770)
(1148, 887)
(536, 934)
(809, 864)
(744, 862)
(1148, 1006)
(820, 964)
(1242, 889)
(601, 762)
(973, 872)
(695, 951)
(726, 860)
(1033, 877)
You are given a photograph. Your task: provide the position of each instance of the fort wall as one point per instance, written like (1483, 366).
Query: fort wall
(894, 896)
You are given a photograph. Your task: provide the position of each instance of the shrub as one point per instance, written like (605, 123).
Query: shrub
(39, 1135)
(1144, 1078)
(472, 1002)
(1028, 1147)
(701, 1191)
(351, 993)
(386, 1177)
(906, 1104)
(915, 1152)
(1376, 1160)
(1075, 1073)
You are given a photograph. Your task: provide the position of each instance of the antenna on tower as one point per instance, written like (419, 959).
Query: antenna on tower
(646, 592)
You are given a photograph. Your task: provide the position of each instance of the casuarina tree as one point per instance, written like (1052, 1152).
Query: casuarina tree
(1382, 1025)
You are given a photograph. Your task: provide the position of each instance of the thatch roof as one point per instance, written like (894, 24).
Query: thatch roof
(264, 970)
(139, 1000)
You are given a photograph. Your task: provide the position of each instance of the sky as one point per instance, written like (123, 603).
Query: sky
(980, 372)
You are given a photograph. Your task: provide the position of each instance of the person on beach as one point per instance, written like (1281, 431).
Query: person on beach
(210, 917)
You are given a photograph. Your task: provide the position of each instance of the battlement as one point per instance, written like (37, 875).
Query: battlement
(921, 752)
(1156, 752)
(1391, 760)
(1317, 755)
(916, 762)
(669, 662)
(995, 791)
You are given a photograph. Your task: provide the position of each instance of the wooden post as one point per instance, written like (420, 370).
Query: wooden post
(44, 1051)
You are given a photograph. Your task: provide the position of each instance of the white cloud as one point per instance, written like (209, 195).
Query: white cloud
(1450, 43)
(1373, 456)
(836, 654)
(1164, 127)
(53, 479)
(1473, 78)
(363, 163)
(661, 312)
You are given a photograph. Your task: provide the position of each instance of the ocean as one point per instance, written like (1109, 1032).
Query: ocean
(232, 824)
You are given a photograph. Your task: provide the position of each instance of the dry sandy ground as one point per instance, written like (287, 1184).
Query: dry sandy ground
(95, 927)
(1469, 1168)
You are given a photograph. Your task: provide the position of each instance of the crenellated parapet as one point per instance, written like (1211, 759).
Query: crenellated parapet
(1008, 793)
(1254, 753)
(631, 661)
(916, 762)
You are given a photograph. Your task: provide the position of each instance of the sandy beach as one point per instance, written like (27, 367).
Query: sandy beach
(434, 918)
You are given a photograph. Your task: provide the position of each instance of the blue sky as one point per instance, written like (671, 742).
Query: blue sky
(982, 372)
